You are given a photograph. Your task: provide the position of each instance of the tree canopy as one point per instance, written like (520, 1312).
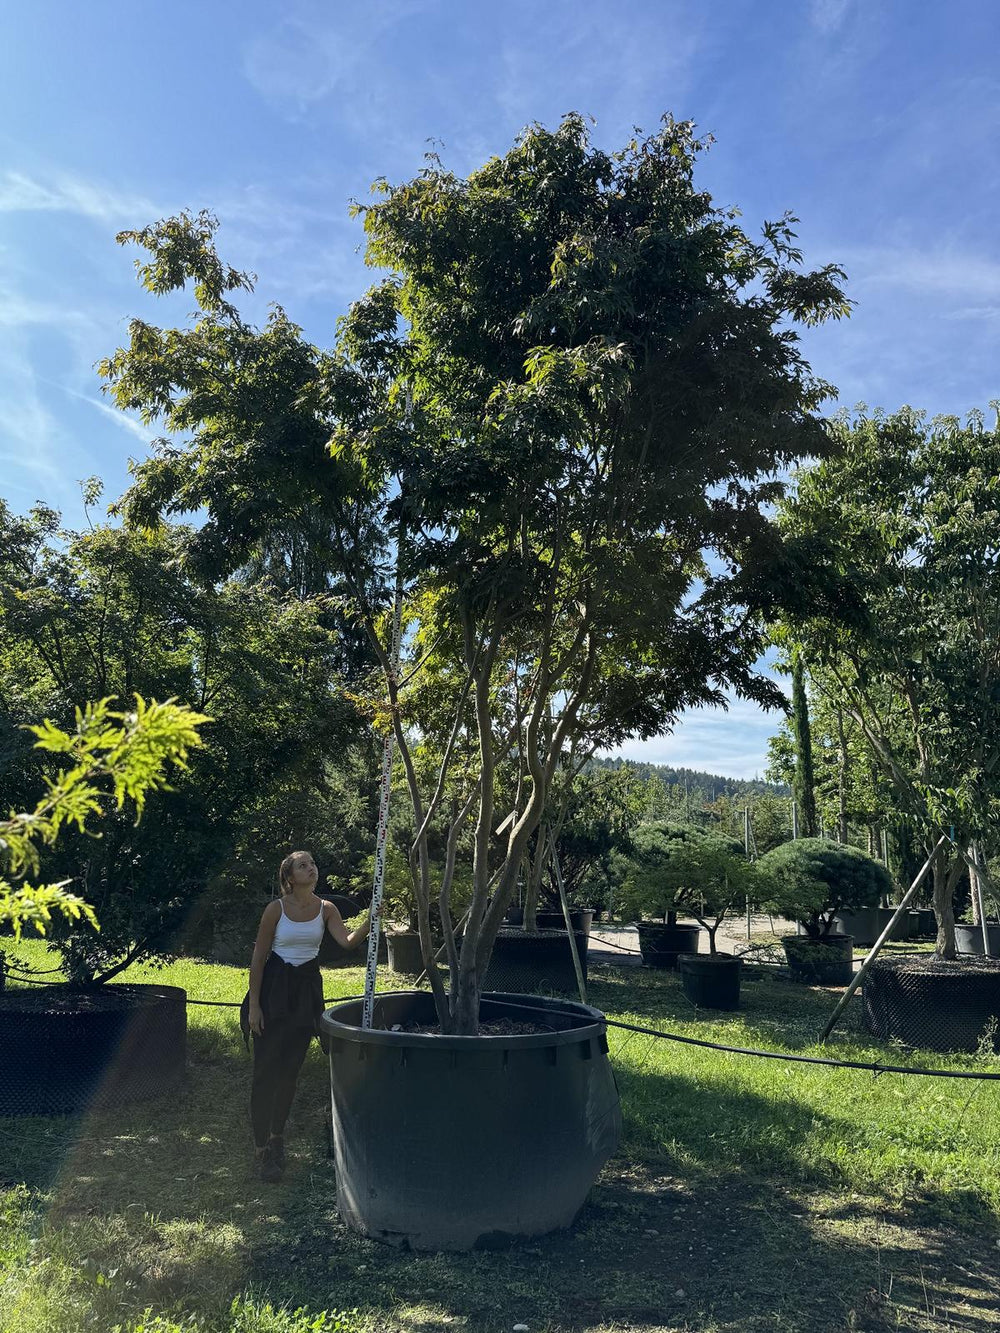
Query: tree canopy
(575, 382)
(912, 508)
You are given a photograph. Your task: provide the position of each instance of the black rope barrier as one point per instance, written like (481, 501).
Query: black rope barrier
(770, 1055)
(863, 1065)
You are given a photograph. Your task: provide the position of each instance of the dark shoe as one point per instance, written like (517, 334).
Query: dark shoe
(277, 1146)
(267, 1168)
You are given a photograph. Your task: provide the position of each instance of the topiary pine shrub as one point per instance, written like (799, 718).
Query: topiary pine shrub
(810, 880)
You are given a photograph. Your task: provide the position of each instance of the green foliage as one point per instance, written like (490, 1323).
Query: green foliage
(811, 880)
(124, 755)
(109, 612)
(603, 808)
(911, 508)
(575, 380)
(682, 868)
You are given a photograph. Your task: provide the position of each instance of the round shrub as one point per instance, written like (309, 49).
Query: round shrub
(812, 879)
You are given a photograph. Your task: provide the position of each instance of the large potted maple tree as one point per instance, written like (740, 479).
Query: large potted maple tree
(574, 378)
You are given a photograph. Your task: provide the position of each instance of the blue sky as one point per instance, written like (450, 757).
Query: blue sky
(878, 123)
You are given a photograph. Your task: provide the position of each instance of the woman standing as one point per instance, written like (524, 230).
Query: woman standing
(285, 1000)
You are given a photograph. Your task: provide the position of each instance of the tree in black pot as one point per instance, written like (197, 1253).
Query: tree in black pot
(574, 378)
(681, 869)
(810, 880)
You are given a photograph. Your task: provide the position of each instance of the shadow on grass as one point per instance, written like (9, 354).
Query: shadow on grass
(157, 1199)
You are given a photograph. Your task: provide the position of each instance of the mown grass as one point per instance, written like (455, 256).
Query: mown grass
(748, 1194)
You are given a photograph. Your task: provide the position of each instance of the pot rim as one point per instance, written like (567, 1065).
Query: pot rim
(823, 939)
(711, 958)
(140, 993)
(352, 1032)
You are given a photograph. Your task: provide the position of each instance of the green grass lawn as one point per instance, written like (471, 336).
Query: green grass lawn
(748, 1195)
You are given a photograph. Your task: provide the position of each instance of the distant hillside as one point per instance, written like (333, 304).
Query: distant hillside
(704, 786)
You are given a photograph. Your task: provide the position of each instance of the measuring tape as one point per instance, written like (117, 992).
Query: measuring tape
(375, 913)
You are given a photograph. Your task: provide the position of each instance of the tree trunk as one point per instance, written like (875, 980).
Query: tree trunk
(534, 885)
(465, 1004)
(944, 907)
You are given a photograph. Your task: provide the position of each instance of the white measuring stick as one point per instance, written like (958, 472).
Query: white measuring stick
(375, 913)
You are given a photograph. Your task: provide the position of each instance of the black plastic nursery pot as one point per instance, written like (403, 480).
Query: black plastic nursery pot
(580, 919)
(330, 952)
(825, 962)
(536, 962)
(660, 944)
(867, 924)
(711, 981)
(925, 923)
(405, 955)
(969, 939)
(936, 1004)
(64, 1050)
(456, 1143)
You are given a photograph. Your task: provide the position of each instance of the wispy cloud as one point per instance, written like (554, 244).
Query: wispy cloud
(828, 15)
(20, 193)
(128, 423)
(314, 52)
(944, 272)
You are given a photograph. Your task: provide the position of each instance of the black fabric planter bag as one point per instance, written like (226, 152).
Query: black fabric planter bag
(661, 944)
(580, 918)
(938, 1005)
(63, 1050)
(405, 955)
(969, 939)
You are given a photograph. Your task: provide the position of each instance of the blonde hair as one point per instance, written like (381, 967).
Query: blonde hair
(284, 873)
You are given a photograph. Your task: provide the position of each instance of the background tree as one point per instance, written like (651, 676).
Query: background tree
(677, 868)
(109, 758)
(912, 507)
(803, 792)
(812, 879)
(576, 379)
(111, 611)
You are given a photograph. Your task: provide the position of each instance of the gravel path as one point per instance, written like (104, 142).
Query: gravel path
(731, 937)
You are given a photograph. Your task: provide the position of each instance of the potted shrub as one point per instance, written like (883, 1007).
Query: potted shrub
(502, 504)
(680, 868)
(716, 877)
(650, 882)
(63, 1045)
(810, 880)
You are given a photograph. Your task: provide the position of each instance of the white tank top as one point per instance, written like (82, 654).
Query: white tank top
(298, 942)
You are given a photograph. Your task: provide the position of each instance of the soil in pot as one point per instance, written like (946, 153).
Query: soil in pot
(63, 1050)
(661, 944)
(451, 1143)
(824, 962)
(933, 1003)
(711, 981)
